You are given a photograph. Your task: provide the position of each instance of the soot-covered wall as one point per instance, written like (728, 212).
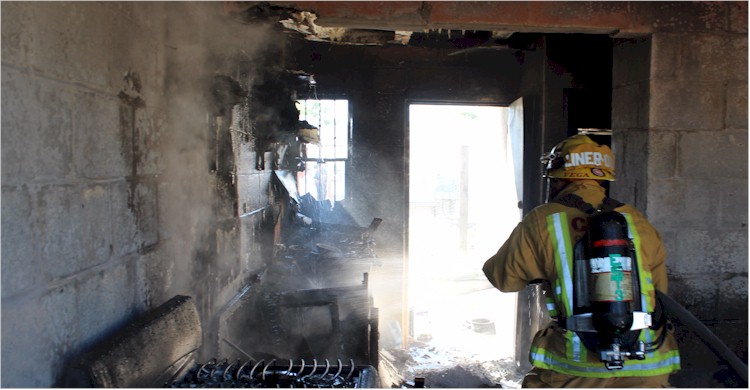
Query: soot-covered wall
(116, 193)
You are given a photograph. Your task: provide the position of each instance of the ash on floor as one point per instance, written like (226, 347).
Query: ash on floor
(443, 368)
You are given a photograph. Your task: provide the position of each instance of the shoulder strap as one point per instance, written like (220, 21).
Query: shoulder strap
(575, 201)
(610, 204)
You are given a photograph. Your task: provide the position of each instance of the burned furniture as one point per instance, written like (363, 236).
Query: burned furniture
(159, 348)
(153, 350)
(316, 326)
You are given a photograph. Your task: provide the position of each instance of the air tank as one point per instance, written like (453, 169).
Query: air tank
(611, 277)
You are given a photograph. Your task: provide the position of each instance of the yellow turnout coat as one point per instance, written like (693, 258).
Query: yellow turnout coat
(540, 247)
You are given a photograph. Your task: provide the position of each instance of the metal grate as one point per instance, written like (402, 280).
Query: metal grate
(275, 374)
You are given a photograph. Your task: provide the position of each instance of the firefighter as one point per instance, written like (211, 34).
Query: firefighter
(541, 248)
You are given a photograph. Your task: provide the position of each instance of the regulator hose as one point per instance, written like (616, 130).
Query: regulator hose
(709, 338)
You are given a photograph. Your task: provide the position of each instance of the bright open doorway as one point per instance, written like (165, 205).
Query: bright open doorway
(463, 204)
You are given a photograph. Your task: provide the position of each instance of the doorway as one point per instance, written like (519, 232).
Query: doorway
(463, 204)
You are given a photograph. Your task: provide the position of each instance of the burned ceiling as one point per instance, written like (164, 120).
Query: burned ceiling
(305, 24)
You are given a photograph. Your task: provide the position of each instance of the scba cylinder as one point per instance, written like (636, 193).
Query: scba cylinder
(611, 278)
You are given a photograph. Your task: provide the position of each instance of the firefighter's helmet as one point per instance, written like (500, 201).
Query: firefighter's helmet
(578, 158)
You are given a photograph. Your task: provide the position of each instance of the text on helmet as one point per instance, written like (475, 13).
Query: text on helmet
(588, 158)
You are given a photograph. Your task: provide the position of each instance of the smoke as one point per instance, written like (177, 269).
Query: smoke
(202, 42)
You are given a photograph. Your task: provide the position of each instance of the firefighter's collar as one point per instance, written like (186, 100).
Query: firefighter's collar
(576, 186)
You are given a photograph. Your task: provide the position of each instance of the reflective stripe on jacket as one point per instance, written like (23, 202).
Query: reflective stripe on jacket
(541, 247)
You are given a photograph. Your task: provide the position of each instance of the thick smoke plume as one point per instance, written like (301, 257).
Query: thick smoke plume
(202, 42)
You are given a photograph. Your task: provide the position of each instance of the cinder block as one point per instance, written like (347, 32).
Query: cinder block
(631, 62)
(737, 105)
(681, 203)
(682, 258)
(245, 157)
(66, 41)
(38, 335)
(733, 251)
(138, 49)
(147, 140)
(714, 57)
(135, 41)
(108, 291)
(249, 189)
(709, 252)
(117, 44)
(246, 243)
(264, 196)
(85, 31)
(20, 263)
(15, 40)
(630, 106)
(665, 54)
(125, 238)
(74, 228)
(103, 140)
(713, 155)
(662, 154)
(136, 221)
(625, 190)
(697, 293)
(97, 235)
(153, 278)
(630, 167)
(701, 216)
(733, 298)
(629, 146)
(732, 203)
(670, 98)
(37, 128)
(243, 193)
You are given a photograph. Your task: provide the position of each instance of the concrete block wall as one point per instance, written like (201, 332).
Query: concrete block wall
(79, 177)
(698, 112)
(681, 96)
(107, 196)
(630, 104)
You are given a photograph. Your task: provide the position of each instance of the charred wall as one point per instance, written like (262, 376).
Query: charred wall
(120, 173)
